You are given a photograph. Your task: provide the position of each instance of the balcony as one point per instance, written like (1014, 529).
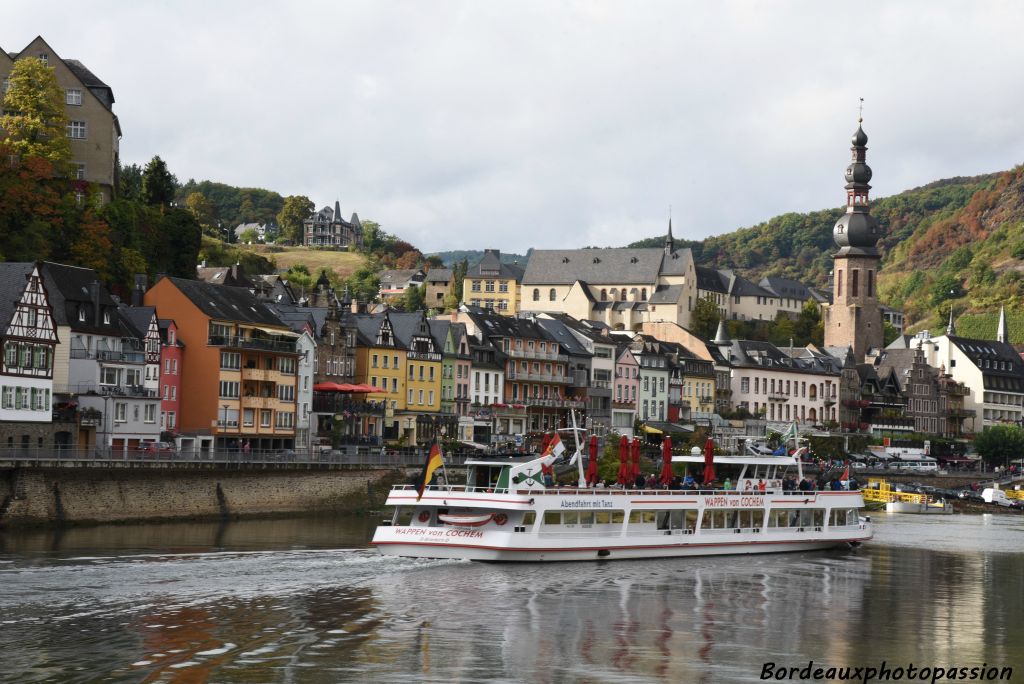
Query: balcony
(624, 405)
(775, 396)
(601, 384)
(536, 355)
(957, 390)
(236, 342)
(110, 356)
(959, 413)
(705, 399)
(257, 374)
(259, 402)
(423, 356)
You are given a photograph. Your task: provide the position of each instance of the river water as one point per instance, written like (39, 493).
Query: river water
(308, 601)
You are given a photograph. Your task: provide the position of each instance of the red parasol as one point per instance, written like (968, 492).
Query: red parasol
(666, 461)
(623, 460)
(592, 462)
(709, 461)
(636, 458)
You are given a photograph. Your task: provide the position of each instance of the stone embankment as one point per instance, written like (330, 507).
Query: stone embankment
(61, 495)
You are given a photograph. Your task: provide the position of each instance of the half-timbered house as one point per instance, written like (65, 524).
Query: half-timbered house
(28, 337)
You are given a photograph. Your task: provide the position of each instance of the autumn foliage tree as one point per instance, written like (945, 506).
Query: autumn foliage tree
(34, 120)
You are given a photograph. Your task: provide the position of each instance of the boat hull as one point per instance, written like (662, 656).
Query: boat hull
(918, 508)
(499, 547)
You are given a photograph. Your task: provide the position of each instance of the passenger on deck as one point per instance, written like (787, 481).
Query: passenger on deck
(727, 484)
(761, 486)
(688, 482)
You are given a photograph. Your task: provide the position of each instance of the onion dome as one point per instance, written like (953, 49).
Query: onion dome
(857, 231)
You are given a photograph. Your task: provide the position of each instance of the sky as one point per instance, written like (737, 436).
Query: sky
(547, 124)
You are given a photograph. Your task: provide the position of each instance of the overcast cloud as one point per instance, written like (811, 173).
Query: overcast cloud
(463, 125)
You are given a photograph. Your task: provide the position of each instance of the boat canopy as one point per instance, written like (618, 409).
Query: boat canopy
(739, 460)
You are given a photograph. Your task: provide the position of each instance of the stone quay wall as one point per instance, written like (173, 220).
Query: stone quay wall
(63, 495)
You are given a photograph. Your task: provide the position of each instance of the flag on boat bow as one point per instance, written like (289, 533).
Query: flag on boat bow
(555, 447)
(434, 461)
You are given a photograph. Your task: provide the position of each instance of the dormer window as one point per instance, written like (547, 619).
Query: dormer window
(106, 318)
(81, 314)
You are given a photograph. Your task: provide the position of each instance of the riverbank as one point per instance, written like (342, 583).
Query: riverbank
(85, 496)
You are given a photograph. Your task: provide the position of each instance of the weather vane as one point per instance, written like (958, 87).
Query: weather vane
(860, 111)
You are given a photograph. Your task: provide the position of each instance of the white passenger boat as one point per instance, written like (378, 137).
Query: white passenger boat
(505, 513)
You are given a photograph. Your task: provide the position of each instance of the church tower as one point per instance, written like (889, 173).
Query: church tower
(854, 319)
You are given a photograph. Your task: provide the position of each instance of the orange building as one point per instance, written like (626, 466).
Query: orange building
(239, 364)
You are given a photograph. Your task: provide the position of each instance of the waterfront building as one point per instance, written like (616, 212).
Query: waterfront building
(171, 356)
(396, 352)
(93, 129)
(487, 389)
(601, 347)
(627, 389)
(240, 363)
(28, 337)
(767, 382)
(535, 370)
(854, 318)
(328, 230)
(455, 375)
(101, 359)
(692, 383)
(991, 371)
(146, 326)
(654, 378)
(932, 401)
(596, 401)
(493, 285)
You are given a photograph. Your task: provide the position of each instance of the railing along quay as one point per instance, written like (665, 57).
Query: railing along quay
(353, 456)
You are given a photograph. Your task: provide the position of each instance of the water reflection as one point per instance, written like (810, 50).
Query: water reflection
(303, 600)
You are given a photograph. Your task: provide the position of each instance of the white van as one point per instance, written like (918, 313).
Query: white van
(996, 496)
(919, 465)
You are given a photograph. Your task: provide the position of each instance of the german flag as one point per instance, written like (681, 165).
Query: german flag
(434, 461)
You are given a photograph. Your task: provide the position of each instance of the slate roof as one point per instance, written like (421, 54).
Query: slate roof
(439, 331)
(791, 289)
(68, 289)
(560, 333)
(756, 354)
(13, 280)
(1001, 366)
(397, 278)
(666, 294)
(495, 325)
(227, 303)
(741, 287)
(138, 317)
(298, 317)
(224, 275)
(439, 275)
(165, 324)
(712, 280)
(608, 266)
(491, 266)
(101, 90)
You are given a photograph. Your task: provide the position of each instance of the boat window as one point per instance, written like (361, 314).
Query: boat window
(786, 517)
(570, 517)
(618, 517)
(530, 516)
(641, 517)
(403, 515)
(677, 520)
(552, 517)
(691, 520)
(586, 517)
(663, 519)
(602, 517)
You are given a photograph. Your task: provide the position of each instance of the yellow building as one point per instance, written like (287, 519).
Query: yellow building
(397, 353)
(93, 128)
(493, 285)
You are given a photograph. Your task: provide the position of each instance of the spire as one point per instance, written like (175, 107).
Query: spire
(670, 243)
(1002, 335)
(722, 336)
(857, 231)
(337, 210)
(950, 329)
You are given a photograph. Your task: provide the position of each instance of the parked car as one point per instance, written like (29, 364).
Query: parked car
(157, 449)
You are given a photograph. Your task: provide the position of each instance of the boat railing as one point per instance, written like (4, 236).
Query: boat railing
(605, 491)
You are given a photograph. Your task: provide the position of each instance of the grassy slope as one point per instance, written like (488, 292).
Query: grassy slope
(343, 264)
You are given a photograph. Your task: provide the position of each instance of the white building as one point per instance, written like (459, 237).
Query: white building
(28, 336)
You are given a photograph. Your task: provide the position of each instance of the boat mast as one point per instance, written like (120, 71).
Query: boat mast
(579, 453)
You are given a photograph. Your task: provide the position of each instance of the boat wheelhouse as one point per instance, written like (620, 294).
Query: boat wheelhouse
(504, 512)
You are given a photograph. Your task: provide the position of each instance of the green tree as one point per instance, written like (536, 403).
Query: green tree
(248, 236)
(34, 118)
(299, 277)
(704, 318)
(296, 209)
(364, 284)
(459, 274)
(414, 299)
(158, 183)
(129, 185)
(809, 328)
(203, 211)
(999, 444)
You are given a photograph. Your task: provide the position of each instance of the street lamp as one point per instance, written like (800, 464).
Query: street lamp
(224, 424)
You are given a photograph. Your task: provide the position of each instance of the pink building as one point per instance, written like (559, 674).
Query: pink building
(627, 387)
(171, 353)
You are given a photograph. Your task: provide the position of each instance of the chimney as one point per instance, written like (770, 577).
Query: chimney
(94, 297)
(141, 284)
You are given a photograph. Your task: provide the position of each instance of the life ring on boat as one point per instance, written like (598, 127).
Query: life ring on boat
(500, 519)
(424, 516)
